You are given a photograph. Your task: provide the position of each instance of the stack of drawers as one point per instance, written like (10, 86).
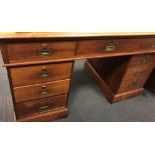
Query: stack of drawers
(138, 70)
(121, 77)
(40, 92)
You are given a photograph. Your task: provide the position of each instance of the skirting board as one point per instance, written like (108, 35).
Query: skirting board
(46, 116)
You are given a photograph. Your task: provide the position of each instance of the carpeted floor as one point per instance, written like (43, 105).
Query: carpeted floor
(87, 103)
(6, 106)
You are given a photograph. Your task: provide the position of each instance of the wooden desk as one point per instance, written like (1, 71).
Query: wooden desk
(40, 67)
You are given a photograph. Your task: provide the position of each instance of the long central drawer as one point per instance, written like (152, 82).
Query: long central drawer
(37, 91)
(107, 45)
(22, 76)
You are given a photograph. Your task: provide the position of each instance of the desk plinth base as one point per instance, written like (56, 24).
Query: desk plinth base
(46, 116)
(113, 98)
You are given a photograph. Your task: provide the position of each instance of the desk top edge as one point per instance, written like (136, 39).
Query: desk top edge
(24, 35)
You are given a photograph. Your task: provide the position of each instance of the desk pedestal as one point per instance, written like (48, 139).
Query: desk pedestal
(121, 77)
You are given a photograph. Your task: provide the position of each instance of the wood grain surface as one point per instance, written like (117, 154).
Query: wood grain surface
(22, 76)
(13, 35)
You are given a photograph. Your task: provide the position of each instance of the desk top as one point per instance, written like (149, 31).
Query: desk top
(24, 35)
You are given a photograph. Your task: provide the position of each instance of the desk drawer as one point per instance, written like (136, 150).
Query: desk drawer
(37, 91)
(135, 78)
(108, 45)
(28, 52)
(36, 106)
(40, 73)
(142, 59)
(147, 43)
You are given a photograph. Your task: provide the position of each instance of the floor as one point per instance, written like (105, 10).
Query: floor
(6, 106)
(87, 103)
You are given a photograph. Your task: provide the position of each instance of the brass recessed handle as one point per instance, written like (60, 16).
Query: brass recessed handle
(134, 84)
(146, 58)
(43, 90)
(44, 74)
(43, 107)
(45, 52)
(110, 48)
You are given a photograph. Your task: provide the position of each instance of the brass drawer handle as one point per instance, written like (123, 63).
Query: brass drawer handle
(133, 85)
(44, 74)
(43, 91)
(146, 58)
(45, 52)
(110, 47)
(140, 73)
(43, 107)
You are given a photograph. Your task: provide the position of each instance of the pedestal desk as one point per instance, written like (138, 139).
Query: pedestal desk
(40, 67)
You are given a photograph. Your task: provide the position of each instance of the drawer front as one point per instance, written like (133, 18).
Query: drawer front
(108, 45)
(37, 91)
(41, 73)
(135, 78)
(28, 52)
(36, 106)
(142, 59)
(147, 43)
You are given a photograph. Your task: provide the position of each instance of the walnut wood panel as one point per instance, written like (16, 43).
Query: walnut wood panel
(27, 52)
(142, 59)
(103, 46)
(111, 70)
(135, 78)
(3, 50)
(46, 116)
(35, 35)
(92, 72)
(79, 57)
(147, 43)
(40, 73)
(43, 90)
(36, 106)
(138, 72)
(125, 95)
